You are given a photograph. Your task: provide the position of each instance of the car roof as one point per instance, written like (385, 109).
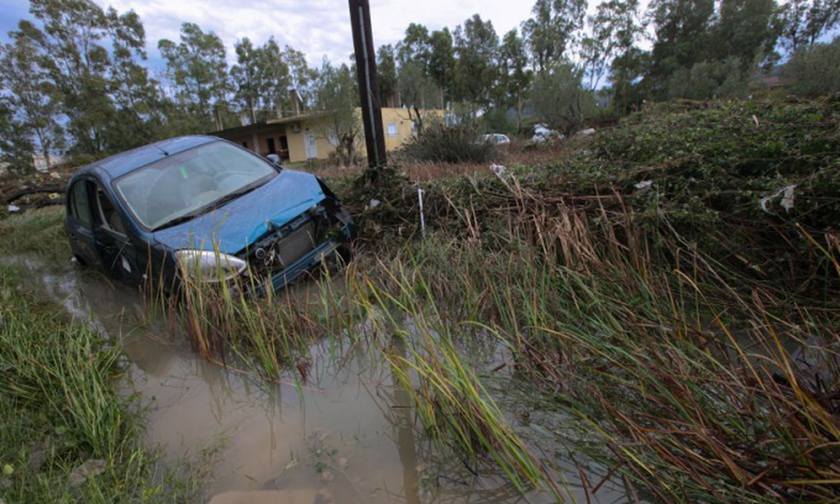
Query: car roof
(128, 161)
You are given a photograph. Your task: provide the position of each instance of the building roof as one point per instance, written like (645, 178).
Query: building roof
(126, 162)
(267, 125)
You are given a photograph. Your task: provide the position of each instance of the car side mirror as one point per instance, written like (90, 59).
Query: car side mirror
(275, 160)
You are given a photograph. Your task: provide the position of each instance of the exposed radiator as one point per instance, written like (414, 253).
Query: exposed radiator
(296, 245)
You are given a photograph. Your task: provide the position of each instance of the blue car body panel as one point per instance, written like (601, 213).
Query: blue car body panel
(243, 221)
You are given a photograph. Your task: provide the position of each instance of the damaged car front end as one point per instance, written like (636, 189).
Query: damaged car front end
(201, 206)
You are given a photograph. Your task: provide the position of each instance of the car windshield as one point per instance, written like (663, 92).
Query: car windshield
(191, 181)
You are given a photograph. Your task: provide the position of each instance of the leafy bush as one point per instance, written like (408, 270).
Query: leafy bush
(814, 70)
(560, 99)
(709, 79)
(450, 143)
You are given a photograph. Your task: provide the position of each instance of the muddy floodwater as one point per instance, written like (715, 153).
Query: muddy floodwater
(346, 435)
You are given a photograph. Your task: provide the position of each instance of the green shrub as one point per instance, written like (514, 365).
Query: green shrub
(709, 79)
(450, 143)
(814, 70)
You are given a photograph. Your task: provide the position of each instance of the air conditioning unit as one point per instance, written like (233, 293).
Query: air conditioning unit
(295, 127)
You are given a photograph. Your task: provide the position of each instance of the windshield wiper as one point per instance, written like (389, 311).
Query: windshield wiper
(230, 197)
(216, 204)
(178, 220)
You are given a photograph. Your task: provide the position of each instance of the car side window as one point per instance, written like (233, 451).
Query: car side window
(107, 213)
(80, 203)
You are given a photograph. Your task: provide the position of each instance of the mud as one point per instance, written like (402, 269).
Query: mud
(347, 435)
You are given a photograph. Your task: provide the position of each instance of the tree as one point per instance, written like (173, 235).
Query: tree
(301, 76)
(682, 37)
(274, 78)
(803, 22)
(552, 30)
(744, 31)
(33, 96)
(442, 63)
(416, 89)
(415, 46)
(198, 67)
(336, 98)
(16, 147)
(245, 77)
(260, 77)
(560, 99)
(386, 65)
(515, 75)
(616, 29)
(476, 65)
(136, 96)
(813, 70)
(91, 59)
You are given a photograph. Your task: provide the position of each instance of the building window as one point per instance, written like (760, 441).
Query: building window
(392, 129)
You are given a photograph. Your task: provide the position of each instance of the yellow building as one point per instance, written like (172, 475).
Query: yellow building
(303, 137)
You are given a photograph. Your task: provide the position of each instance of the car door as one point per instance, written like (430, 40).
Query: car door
(112, 239)
(79, 224)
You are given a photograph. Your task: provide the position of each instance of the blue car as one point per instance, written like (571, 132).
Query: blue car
(202, 205)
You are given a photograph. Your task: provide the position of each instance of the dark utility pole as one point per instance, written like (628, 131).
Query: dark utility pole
(368, 82)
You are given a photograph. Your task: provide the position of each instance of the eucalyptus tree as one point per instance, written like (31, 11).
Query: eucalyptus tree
(91, 58)
(802, 22)
(442, 63)
(552, 30)
(386, 66)
(477, 61)
(515, 76)
(198, 68)
(260, 78)
(32, 105)
(301, 76)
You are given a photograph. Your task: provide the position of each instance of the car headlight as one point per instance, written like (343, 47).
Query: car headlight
(210, 266)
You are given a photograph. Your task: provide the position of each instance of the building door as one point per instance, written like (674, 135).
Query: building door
(311, 146)
(272, 149)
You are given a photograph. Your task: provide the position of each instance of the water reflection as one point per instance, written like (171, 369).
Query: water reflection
(348, 435)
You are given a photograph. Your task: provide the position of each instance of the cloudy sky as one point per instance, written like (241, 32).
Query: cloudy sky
(317, 27)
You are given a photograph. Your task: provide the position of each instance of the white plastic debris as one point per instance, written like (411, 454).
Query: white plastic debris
(13, 209)
(55, 175)
(787, 195)
(587, 132)
(374, 203)
(420, 192)
(644, 184)
(499, 170)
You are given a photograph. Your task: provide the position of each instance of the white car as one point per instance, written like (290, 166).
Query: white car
(496, 138)
(543, 133)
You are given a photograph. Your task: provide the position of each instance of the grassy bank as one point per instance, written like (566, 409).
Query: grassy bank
(65, 433)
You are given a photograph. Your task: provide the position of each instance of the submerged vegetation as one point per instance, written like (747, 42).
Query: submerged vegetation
(66, 435)
(662, 285)
(666, 292)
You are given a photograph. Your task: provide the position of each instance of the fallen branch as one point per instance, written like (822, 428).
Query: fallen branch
(35, 190)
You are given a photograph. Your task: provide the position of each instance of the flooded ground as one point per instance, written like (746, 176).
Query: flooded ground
(347, 435)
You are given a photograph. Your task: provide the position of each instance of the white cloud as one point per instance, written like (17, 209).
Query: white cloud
(317, 27)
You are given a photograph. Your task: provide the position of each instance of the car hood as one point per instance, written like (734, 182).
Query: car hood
(238, 224)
